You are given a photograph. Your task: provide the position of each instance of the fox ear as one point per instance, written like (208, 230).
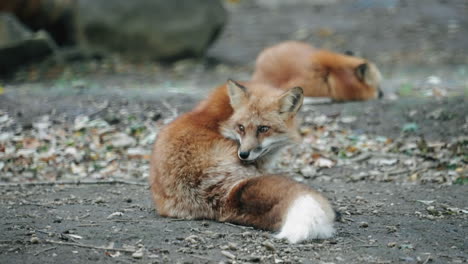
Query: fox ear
(291, 101)
(237, 93)
(361, 71)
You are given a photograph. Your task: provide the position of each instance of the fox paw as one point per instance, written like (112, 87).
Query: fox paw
(306, 219)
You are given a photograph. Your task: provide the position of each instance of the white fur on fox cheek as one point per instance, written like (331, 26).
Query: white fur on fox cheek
(228, 133)
(274, 142)
(306, 219)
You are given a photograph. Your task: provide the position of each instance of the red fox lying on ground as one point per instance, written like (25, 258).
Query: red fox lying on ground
(320, 73)
(209, 164)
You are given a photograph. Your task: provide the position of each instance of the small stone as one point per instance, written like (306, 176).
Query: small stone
(407, 259)
(99, 200)
(391, 229)
(115, 214)
(138, 254)
(364, 224)
(246, 234)
(414, 177)
(339, 258)
(432, 210)
(348, 119)
(34, 240)
(138, 153)
(254, 258)
(25, 153)
(224, 247)
(81, 122)
(324, 163)
(406, 246)
(233, 246)
(268, 245)
(308, 172)
(384, 162)
(278, 260)
(4, 118)
(192, 239)
(122, 140)
(392, 244)
(228, 254)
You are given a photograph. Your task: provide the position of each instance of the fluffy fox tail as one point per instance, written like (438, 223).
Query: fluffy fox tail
(282, 205)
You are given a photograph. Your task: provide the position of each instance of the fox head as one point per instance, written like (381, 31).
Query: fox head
(353, 78)
(263, 118)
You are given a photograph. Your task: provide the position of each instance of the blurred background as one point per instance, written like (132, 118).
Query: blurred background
(90, 82)
(206, 42)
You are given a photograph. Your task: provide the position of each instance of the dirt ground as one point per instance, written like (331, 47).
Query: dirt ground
(396, 168)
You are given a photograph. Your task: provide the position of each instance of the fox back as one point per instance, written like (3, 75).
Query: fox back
(320, 73)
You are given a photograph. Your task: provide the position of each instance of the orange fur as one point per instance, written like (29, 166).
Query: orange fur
(195, 169)
(320, 73)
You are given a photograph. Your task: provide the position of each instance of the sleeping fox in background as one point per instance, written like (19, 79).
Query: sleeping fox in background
(210, 164)
(320, 73)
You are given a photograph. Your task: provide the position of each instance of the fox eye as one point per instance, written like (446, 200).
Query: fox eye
(241, 128)
(263, 129)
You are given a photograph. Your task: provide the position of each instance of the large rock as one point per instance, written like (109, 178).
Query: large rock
(151, 29)
(57, 17)
(19, 45)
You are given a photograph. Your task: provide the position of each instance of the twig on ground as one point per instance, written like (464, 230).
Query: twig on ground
(362, 157)
(18, 184)
(44, 232)
(37, 204)
(240, 226)
(388, 155)
(127, 220)
(84, 216)
(87, 225)
(366, 246)
(89, 246)
(357, 238)
(396, 172)
(44, 250)
(176, 219)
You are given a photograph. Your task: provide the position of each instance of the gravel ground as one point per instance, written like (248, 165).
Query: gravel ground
(382, 223)
(397, 168)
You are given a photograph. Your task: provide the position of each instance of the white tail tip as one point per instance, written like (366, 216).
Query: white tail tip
(305, 220)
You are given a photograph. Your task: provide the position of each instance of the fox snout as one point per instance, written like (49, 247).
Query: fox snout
(249, 153)
(244, 154)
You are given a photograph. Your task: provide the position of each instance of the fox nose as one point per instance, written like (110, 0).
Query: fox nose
(244, 154)
(380, 94)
